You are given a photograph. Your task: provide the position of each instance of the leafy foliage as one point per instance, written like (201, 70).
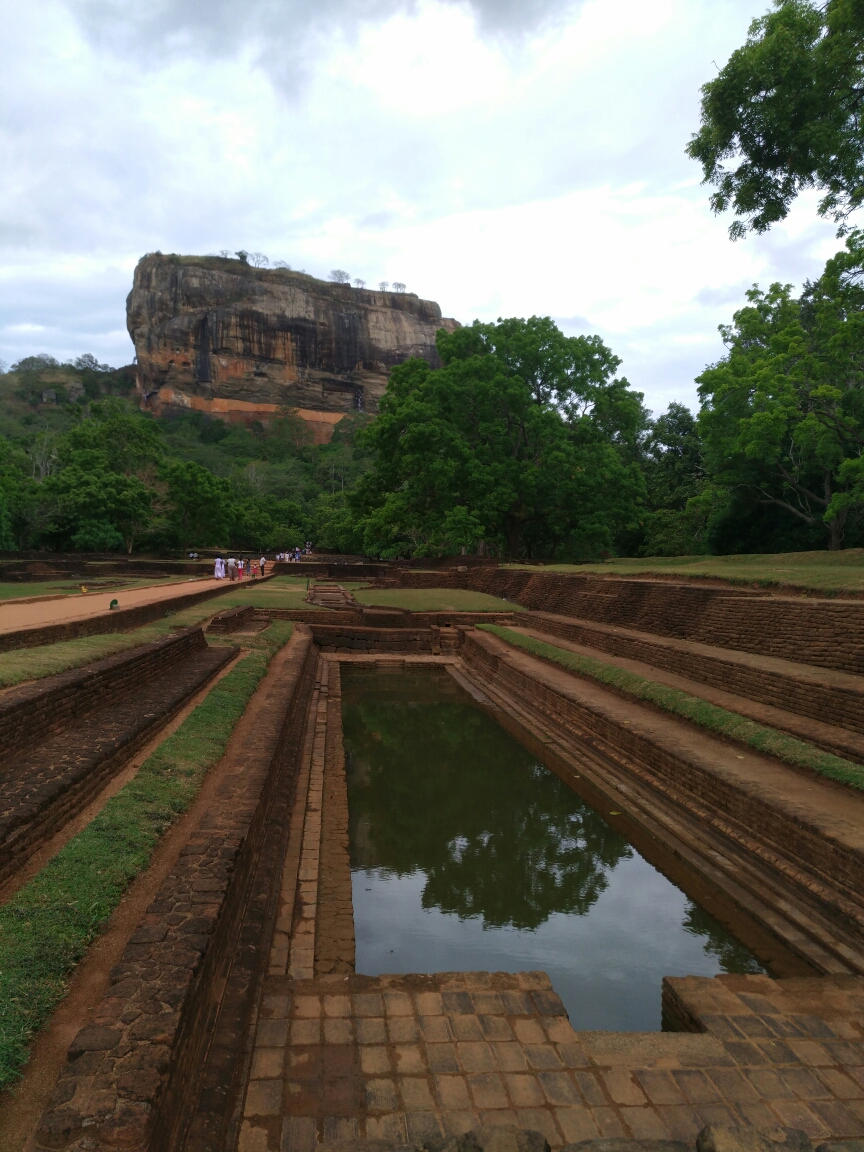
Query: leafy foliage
(787, 109)
(783, 412)
(525, 443)
(99, 475)
(518, 445)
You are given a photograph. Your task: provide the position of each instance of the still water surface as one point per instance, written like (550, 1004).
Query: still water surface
(469, 854)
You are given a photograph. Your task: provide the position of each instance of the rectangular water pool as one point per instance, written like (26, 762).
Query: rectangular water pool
(467, 853)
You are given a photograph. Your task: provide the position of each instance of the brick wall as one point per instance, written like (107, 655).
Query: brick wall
(120, 620)
(232, 619)
(827, 633)
(831, 703)
(342, 639)
(132, 1072)
(824, 870)
(29, 713)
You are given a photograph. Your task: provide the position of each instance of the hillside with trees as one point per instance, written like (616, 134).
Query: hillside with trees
(525, 443)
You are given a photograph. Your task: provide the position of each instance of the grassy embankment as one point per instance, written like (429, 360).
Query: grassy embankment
(48, 925)
(828, 572)
(25, 664)
(708, 716)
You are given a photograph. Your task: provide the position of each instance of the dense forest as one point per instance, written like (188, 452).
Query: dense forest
(524, 444)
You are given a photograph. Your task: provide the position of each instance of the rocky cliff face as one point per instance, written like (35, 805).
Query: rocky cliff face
(218, 336)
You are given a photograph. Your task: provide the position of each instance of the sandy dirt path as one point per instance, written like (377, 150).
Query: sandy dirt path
(15, 616)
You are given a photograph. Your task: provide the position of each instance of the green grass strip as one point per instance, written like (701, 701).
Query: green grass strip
(708, 716)
(22, 664)
(49, 924)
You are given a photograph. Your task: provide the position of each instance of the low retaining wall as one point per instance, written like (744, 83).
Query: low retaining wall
(827, 633)
(120, 620)
(824, 869)
(36, 567)
(351, 617)
(29, 713)
(831, 703)
(232, 619)
(342, 639)
(333, 571)
(131, 1071)
(347, 639)
(44, 785)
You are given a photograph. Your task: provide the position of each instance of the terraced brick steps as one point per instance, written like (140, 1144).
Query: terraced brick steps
(330, 596)
(825, 632)
(818, 705)
(788, 849)
(72, 732)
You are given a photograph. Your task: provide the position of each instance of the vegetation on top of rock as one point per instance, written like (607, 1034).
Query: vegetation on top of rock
(524, 444)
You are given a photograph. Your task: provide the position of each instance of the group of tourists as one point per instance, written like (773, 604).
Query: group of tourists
(234, 569)
(292, 556)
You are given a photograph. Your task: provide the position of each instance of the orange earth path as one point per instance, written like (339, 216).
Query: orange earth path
(81, 607)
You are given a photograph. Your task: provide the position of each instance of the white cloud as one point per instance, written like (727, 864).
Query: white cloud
(502, 158)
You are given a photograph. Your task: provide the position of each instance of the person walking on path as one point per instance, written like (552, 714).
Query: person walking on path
(232, 568)
(261, 564)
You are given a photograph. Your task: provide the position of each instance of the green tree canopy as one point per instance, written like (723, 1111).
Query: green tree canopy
(199, 503)
(783, 412)
(673, 459)
(95, 506)
(785, 114)
(518, 441)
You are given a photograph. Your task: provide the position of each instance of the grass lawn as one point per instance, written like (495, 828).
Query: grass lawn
(280, 592)
(48, 925)
(832, 572)
(435, 600)
(708, 716)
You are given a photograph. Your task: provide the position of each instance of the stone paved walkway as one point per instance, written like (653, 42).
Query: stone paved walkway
(407, 1058)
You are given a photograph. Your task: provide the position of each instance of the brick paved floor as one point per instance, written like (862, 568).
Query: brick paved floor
(411, 1057)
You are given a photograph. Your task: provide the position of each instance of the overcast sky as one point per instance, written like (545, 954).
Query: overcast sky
(503, 157)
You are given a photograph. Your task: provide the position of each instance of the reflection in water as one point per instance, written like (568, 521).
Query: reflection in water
(468, 853)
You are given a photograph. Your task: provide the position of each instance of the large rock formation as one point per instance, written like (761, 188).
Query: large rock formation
(216, 335)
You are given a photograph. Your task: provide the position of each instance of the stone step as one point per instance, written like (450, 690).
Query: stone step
(829, 696)
(806, 832)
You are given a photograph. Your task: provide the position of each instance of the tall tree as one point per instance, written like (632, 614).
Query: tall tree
(785, 114)
(518, 441)
(783, 412)
(672, 461)
(199, 503)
